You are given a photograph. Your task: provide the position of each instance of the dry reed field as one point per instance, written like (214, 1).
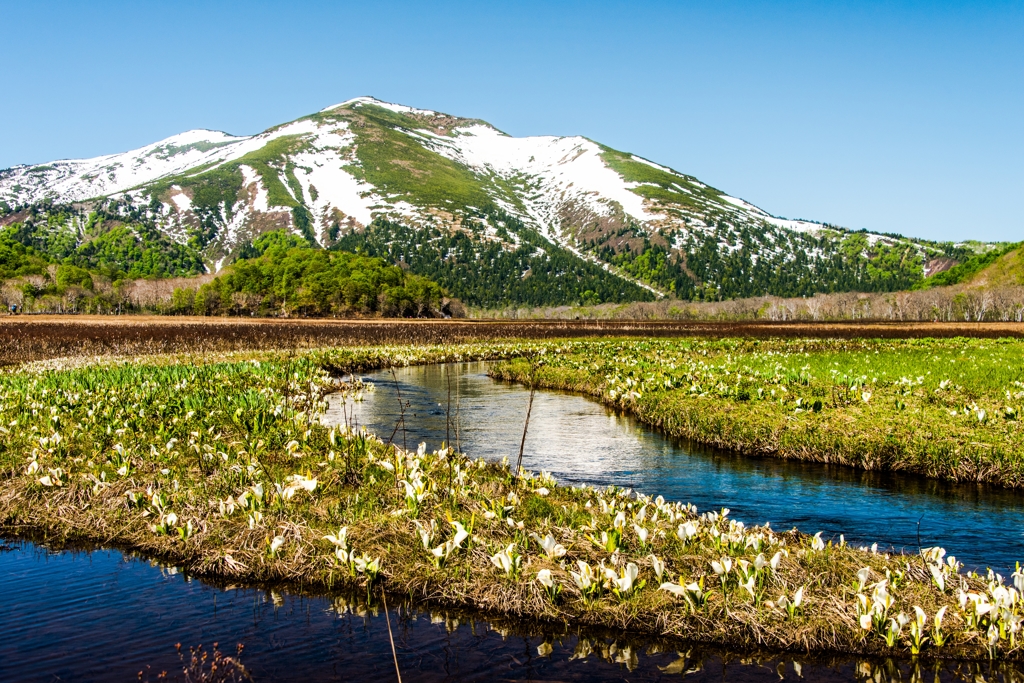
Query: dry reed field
(28, 338)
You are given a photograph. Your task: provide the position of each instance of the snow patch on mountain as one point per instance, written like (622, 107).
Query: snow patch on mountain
(79, 179)
(558, 171)
(323, 174)
(180, 199)
(251, 179)
(798, 226)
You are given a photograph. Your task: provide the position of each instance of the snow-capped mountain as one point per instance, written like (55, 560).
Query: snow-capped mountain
(366, 163)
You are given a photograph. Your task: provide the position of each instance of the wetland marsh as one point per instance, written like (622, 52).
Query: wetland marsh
(220, 464)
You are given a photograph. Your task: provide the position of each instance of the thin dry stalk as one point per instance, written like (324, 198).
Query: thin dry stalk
(522, 443)
(391, 636)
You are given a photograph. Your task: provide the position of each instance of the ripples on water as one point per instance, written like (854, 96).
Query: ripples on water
(582, 441)
(101, 616)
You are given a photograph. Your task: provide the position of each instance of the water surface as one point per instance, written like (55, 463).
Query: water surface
(581, 441)
(98, 616)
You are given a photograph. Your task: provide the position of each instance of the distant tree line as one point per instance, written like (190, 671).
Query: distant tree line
(63, 260)
(956, 303)
(730, 262)
(115, 239)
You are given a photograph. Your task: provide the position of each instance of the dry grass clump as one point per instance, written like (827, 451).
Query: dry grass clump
(225, 469)
(207, 667)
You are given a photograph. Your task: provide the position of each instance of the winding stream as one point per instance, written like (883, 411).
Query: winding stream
(581, 441)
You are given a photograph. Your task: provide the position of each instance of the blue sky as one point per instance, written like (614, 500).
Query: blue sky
(896, 117)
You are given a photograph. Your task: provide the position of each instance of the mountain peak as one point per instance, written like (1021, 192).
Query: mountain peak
(397, 108)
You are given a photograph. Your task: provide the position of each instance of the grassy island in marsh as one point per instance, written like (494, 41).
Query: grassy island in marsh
(219, 463)
(943, 408)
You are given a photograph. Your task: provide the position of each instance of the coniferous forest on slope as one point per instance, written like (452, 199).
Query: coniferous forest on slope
(51, 252)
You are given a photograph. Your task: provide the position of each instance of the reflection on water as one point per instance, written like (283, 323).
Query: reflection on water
(581, 441)
(102, 616)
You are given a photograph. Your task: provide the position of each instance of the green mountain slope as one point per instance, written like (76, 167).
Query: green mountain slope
(1005, 271)
(998, 266)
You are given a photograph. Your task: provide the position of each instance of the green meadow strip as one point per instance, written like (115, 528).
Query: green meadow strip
(947, 409)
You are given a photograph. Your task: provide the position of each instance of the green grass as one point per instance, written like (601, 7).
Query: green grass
(402, 168)
(662, 183)
(1000, 261)
(219, 464)
(380, 115)
(211, 185)
(222, 184)
(948, 409)
(1008, 270)
(270, 161)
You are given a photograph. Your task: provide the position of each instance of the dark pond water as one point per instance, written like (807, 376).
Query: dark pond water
(102, 616)
(580, 441)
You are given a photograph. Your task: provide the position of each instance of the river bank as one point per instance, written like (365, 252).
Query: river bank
(117, 615)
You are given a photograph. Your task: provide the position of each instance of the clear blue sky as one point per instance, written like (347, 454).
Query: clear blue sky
(901, 117)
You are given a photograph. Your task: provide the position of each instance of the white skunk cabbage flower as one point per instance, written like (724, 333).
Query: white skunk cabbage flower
(686, 531)
(722, 568)
(551, 547)
(625, 582)
(658, 566)
(275, 544)
(341, 539)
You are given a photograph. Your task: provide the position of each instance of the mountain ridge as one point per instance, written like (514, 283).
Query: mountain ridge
(339, 174)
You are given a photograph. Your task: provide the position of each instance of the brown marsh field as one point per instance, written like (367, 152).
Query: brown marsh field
(29, 338)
